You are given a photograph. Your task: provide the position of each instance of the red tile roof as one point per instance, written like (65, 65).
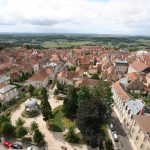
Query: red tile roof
(132, 76)
(120, 92)
(68, 74)
(139, 66)
(40, 76)
(84, 60)
(143, 122)
(87, 81)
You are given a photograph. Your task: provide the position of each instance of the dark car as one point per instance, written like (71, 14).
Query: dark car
(7, 144)
(17, 146)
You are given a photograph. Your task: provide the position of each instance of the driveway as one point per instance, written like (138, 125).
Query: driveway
(54, 139)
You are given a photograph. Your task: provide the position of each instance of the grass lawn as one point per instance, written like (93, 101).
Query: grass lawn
(57, 124)
(64, 44)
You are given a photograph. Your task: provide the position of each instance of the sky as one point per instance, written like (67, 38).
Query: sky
(76, 16)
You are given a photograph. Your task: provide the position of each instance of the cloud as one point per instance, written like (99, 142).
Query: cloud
(85, 16)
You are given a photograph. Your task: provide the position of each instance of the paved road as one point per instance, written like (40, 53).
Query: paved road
(123, 143)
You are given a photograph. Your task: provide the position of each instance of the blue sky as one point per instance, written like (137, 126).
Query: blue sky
(76, 16)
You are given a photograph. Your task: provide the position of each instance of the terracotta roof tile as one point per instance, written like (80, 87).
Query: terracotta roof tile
(40, 76)
(143, 122)
(120, 91)
(139, 66)
(132, 76)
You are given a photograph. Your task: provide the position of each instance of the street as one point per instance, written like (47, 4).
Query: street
(123, 143)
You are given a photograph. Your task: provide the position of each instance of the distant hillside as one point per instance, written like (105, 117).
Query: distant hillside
(40, 41)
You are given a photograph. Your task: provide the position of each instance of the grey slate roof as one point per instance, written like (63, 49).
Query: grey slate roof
(135, 106)
(31, 103)
(6, 88)
(4, 79)
(123, 81)
(121, 62)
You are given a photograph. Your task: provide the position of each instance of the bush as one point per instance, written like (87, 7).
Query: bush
(7, 129)
(4, 107)
(38, 137)
(71, 136)
(21, 132)
(56, 92)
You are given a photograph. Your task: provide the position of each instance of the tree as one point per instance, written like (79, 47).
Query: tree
(31, 89)
(20, 122)
(88, 121)
(21, 131)
(95, 76)
(103, 96)
(46, 110)
(71, 136)
(38, 137)
(4, 118)
(44, 94)
(70, 103)
(4, 106)
(72, 68)
(84, 93)
(93, 112)
(60, 86)
(34, 126)
(7, 129)
(56, 92)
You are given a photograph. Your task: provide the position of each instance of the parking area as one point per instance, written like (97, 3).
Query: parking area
(24, 144)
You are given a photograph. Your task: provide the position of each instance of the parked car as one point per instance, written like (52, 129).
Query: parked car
(115, 136)
(17, 146)
(7, 144)
(111, 127)
(30, 148)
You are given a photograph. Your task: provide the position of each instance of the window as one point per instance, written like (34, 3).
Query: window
(141, 146)
(144, 138)
(132, 130)
(139, 131)
(134, 123)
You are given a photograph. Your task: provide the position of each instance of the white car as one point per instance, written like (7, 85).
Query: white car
(111, 127)
(30, 148)
(115, 136)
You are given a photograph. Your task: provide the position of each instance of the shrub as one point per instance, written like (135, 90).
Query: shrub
(38, 136)
(56, 92)
(21, 132)
(7, 129)
(71, 136)
(4, 107)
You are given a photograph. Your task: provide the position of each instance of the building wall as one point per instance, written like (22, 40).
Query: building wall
(121, 68)
(8, 95)
(139, 138)
(93, 71)
(135, 86)
(38, 84)
(36, 68)
(148, 81)
(63, 80)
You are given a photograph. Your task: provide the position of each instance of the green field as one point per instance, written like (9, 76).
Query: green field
(61, 41)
